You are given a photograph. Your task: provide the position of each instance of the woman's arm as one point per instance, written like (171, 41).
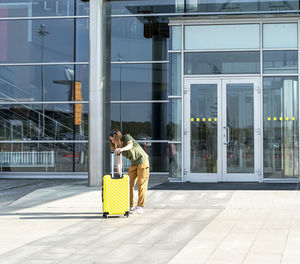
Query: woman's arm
(127, 147)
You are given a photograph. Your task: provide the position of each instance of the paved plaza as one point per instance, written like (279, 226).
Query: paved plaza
(58, 221)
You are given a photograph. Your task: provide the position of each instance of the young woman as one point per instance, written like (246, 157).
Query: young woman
(139, 168)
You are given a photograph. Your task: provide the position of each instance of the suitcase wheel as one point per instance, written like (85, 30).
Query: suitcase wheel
(105, 215)
(127, 214)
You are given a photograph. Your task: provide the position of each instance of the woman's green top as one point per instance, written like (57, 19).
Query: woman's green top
(136, 154)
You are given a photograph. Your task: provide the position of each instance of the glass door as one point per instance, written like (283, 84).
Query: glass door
(221, 130)
(241, 130)
(202, 131)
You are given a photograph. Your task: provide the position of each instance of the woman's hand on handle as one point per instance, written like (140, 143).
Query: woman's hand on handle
(118, 151)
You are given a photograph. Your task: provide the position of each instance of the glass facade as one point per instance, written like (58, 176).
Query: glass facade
(44, 84)
(152, 49)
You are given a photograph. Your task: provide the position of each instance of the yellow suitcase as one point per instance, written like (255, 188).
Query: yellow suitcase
(115, 193)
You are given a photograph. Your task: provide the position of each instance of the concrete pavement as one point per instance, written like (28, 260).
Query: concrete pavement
(62, 223)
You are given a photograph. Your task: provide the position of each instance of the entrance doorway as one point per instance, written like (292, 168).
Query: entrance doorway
(222, 129)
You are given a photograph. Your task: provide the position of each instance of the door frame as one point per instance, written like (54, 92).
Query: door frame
(221, 175)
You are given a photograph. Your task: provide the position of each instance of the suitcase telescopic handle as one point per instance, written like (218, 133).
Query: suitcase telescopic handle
(112, 165)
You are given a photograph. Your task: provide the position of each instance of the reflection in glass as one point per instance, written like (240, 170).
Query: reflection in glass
(281, 128)
(175, 74)
(42, 157)
(176, 38)
(82, 8)
(216, 37)
(175, 157)
(204, 128)
(221, 62)
(139, 81)
(171, 6)
(240, 128)
(175, 124)
(280, 61)
(82, 39)
(146, 6)
(40, 40)
(143, 121)
(280, 35)
(27, 122)
(56, 83)
(28, 8)
(158, 157)
(139, 38)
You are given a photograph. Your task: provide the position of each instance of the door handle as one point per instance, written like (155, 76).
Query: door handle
(227, 135)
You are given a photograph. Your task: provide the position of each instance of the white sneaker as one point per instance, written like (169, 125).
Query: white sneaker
(139, 210)
(132, 210)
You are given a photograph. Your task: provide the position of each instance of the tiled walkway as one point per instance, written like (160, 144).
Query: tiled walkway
(63, 224)
(256, 227)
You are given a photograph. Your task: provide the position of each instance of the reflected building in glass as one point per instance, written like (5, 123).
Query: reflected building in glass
(44, 87)
(208, 88)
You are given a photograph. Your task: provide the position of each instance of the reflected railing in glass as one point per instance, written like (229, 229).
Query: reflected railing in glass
(44, 122)
(43, 157)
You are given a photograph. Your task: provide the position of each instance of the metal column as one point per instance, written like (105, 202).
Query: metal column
(96, 92)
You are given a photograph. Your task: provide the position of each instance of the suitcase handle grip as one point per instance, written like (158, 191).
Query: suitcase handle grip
(112, 166)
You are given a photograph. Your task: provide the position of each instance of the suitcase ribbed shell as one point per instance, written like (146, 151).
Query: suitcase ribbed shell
(115, 195)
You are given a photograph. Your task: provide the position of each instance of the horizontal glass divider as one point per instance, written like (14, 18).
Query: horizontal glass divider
(208, 13)
(153, 141)
(279, 74)
(139, 102)
(43, 63)
(192, 21)
(174, 23)
(44, 175)
(43, 17)
(174, 142)
(174, 97)
(138, 62)
(174, 51)
(222, 50)
(157, 173)
(41, 102)
(222, 75)
(280, 49)
(42, 141)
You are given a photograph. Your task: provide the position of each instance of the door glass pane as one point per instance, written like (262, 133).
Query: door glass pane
(281, 130)
(203, 118)
(240, 128)
(222, 37)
